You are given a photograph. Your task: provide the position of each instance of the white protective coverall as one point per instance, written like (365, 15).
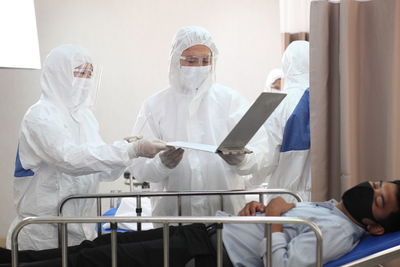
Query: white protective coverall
(287, 158)
(61, 153)
(204, 115)
(273, 75)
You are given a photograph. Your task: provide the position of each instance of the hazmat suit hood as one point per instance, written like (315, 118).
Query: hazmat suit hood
(60, 153)
(187, 37)
(295, 65)
(273, 75)
(57, 77)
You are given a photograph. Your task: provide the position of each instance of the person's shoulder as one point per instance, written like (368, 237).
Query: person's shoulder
(158, 96)
(294, 94)
(88, 114)
(222, 92)
(41, 109)
(222, 89)
(288, 104)
(41, 114)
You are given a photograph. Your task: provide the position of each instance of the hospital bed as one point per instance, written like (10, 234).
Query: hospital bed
(64, 221)
(371, 251)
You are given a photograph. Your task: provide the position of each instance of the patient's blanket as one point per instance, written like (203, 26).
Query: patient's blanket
(128, 208)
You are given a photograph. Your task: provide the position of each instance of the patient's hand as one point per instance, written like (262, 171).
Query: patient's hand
(278, 206)
(251, 208)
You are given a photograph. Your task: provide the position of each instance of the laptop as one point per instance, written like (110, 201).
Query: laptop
(244, 130)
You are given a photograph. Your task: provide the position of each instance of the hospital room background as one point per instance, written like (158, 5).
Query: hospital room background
(354, 73)
(131, 40)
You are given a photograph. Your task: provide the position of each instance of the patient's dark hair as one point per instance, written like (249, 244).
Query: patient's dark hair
(392, 222)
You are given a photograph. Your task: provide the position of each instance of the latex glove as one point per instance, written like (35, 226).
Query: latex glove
(232, 159)
(145, 148)
(172, 157)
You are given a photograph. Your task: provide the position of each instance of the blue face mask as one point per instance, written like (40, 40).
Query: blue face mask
(358, 201)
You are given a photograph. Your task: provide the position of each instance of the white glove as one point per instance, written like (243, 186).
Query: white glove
(232, 159)
(145, 148)
(172, 157)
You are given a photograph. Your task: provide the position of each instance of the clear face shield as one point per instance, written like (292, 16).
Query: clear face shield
(195, 61)
(87, 79)
(196, 65)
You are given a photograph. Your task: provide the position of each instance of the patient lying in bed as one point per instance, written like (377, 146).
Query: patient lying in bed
(368, 207)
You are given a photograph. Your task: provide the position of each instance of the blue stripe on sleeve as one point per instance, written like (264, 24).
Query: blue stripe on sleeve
(19, 170)
(296, 135)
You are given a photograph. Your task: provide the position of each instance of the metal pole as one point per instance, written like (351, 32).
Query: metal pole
(182, 194)
(114, 258)
(139, 211)
(221, 201)
(14, 250)
(219, 244)
(268, 236)
(261, 198)
(64, 245)
(166, 244)
(318, 235)
(131, 183)
(59, 234)
(98, 203)
(179, 198)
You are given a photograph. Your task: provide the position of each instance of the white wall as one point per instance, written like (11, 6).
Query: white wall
(131, 39)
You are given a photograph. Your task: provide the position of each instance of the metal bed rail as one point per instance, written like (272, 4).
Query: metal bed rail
(376, 259)
(220, 220)
(179, 195)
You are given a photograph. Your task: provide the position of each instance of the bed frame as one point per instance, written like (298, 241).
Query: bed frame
(374, 259)
(179, 195)
(220, 220)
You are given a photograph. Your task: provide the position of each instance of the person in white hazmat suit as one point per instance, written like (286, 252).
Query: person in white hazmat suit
(194, 109)
(274, 80)
(287, 158)
(61, 153)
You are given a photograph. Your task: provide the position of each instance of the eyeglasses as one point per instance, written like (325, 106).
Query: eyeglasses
(83, 72)
(195, 61)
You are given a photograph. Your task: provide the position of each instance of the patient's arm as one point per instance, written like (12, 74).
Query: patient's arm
(300, 250)
(276, 207)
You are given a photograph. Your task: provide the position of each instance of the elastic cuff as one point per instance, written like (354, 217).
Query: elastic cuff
(132, 150)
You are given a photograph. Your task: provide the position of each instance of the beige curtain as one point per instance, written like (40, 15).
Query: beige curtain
(355, 94)
(294, 21)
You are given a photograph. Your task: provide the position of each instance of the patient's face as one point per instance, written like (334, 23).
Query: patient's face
(384, 200)
(370, 202)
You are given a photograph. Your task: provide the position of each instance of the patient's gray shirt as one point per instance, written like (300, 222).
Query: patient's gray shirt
(296, 245)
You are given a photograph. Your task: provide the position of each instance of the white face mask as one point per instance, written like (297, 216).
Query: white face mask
(82, 87)
(193, 77)
(82, 83)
